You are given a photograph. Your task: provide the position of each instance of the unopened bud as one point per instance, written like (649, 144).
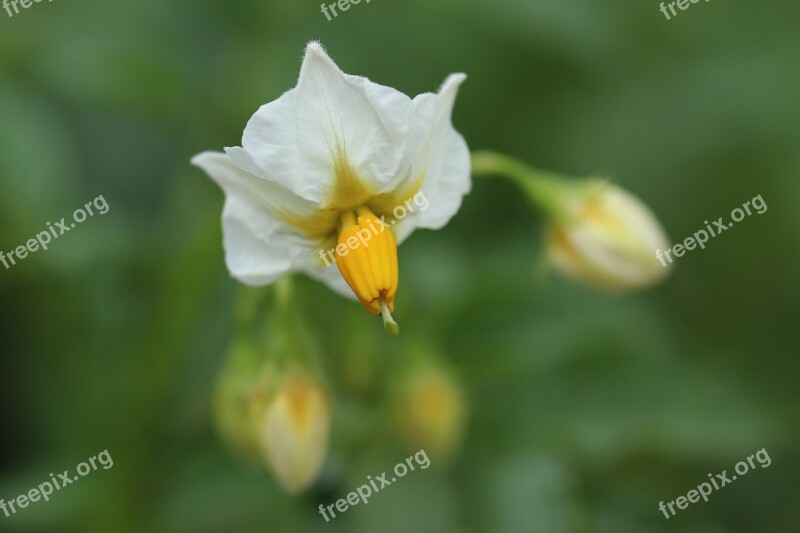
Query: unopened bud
(429, 409)
(293, 431)
(607, 239)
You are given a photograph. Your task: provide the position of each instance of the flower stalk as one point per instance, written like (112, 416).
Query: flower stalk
(598, 234)
(271, 403)
(543, 189)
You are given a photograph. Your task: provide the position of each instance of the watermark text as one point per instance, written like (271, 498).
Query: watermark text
(43, 239)
(715, 482)
(700, 238)
(363, 493)
(45, 490)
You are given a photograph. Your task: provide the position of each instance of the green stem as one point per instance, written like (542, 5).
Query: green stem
(284, 288)
(544, 189)
(253, 306)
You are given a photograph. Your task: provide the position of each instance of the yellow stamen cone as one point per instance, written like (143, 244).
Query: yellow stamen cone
(367, 259)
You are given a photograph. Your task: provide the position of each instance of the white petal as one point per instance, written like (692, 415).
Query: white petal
(259, 247)
(296, 139)
(442, 156)
(280, 199)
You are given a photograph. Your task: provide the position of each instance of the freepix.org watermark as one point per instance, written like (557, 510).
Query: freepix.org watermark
(700, 238)
(683, 5)
(343, 5)
(363, 493)
(718, 481)
(45, 490)
(16, 4)
(418, 201)
(43, 239)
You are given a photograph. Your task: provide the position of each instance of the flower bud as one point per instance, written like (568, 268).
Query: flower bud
(606, 238)
(429, 409)
(237, 400)
(293, 430)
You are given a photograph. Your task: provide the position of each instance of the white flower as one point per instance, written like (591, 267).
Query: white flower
(607, 238)
(334, 152)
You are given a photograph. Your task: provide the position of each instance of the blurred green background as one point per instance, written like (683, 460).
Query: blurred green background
(586, 410)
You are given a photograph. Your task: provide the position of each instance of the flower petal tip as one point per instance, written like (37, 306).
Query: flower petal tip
(315, 46)
(454, 79)
(316, 59)
(198, 159)
(315, 50)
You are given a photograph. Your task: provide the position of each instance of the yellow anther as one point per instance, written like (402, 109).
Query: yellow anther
(366, 255)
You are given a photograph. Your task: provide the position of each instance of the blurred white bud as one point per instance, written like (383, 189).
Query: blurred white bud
(606, 238)
(293, 431)
(430, 410)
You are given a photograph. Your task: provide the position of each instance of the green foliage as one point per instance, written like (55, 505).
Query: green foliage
(586, 409)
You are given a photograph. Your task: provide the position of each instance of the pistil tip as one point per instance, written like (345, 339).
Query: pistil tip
(389, 325)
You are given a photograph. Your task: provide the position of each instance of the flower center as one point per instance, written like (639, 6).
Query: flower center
(366, 255)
